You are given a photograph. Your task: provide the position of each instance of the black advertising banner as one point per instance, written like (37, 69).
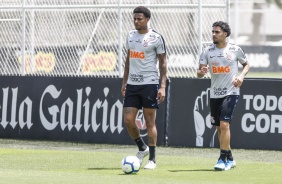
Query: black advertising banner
(84, 109)
(80, 109)
(257, 122)
(264, 58)
(189, 100)
(258, 116)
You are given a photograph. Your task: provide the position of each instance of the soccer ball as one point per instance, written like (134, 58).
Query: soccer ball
(130, 164)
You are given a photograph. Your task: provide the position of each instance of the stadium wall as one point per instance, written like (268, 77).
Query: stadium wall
(89, 110)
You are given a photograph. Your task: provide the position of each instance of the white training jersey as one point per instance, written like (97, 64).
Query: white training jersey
(223, 65)
(143, 56)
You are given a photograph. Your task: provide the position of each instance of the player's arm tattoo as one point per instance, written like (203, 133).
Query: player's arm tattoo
(126, 68)
(162, 68)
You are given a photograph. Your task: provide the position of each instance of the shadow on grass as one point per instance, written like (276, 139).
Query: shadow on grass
(184, 170)
(192, 170)
(102, 168)
(111, 169)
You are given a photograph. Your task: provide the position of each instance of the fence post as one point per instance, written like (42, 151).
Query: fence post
(228, 14)
(120, 39)
(23, 37)
(200, 26)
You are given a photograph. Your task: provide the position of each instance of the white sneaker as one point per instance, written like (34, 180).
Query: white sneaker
(220, 165)
(230, 164)
(150, 165)
(141, 154)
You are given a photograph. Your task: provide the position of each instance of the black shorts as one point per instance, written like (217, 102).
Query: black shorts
(141, 96)
(222, 109)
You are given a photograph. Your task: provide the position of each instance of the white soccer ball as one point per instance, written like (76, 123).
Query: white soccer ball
(130, 164)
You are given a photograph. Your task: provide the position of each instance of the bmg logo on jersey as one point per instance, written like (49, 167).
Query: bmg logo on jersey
(137, 55)
(220, 69)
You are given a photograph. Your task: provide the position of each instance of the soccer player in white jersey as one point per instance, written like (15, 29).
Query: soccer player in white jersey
(141, 86)
(221, 60)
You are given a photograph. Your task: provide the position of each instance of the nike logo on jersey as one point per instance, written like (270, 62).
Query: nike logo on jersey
(212, 56)
(138, 41)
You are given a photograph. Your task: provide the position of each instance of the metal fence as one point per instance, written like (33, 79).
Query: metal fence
(86, 37)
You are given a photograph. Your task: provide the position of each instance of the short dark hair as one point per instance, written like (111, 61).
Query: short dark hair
(224, 26)
(144, 10)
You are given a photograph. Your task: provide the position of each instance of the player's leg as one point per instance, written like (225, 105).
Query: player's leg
(225, 146)
(215, 108)
(229, 154)
(150, 105)
(132, 103)
(150, 116)
(129, 120)
(228, 104)
(224, 139)
(129, 114)
(220, 165)
(230, 160)
(218, 133)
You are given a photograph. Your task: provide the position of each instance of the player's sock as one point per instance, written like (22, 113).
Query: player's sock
(152, 150)
(229, 155)
(140, 143)
(223, 155)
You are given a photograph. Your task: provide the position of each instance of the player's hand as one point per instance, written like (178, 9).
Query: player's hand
(203, 71)
(237, 82)
(123, 88)
(161, 95)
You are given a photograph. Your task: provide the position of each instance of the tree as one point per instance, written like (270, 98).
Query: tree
(256, 36)
(276, 2)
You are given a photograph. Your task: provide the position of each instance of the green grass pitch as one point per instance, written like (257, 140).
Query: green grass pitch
(42, 162)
